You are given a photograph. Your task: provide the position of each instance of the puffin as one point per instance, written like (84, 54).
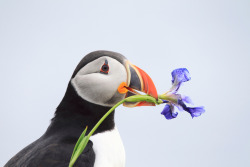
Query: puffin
(91, 92)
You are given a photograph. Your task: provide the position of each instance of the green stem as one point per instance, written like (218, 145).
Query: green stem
(168, 98)
(83, 140)
(134, 98)
(104, 117)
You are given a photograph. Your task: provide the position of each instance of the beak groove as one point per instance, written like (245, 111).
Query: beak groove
(141, 81)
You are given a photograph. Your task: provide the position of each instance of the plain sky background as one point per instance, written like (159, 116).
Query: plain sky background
(41, 42)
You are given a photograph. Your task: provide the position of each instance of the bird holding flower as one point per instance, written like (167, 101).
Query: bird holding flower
(133, 99)
(83, 131)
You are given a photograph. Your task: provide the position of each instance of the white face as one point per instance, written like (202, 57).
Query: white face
(100, 88)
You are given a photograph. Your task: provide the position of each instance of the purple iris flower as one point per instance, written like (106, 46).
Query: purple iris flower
(172, 99)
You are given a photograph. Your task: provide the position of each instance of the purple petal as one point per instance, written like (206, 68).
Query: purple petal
(168, 112)
(179, 107)
(186, 99)
(176, 87)
(182, 104)
(193, 111)
(180, 75)
(196, 111)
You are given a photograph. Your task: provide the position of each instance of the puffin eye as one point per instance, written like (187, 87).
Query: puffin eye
(105, 68)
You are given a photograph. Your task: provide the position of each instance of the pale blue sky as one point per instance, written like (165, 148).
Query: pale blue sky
(41, 42)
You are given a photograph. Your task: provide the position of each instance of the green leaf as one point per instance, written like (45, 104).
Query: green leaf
(78, 142)
(81, 146)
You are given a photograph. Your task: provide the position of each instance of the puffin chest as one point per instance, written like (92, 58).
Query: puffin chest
(108, 148)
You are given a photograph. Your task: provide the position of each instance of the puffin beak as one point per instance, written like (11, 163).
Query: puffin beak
(138, 80)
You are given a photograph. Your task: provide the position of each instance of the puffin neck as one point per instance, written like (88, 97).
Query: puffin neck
(74, 114)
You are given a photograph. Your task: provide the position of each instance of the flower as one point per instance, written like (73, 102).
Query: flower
(172, 99)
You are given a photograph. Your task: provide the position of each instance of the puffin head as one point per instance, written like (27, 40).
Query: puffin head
(104, 78)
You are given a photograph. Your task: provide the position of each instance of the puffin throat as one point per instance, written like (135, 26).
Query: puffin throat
(74, 114)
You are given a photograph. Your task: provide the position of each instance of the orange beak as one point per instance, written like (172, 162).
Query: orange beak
(138, 80)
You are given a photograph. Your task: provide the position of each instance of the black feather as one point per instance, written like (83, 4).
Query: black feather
(55, 147)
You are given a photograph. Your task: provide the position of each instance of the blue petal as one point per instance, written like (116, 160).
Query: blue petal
(179, 107)
(196, 111)
(168, 112)
(174, 114)
(193, 111)
(180, 75)
(186, 99)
